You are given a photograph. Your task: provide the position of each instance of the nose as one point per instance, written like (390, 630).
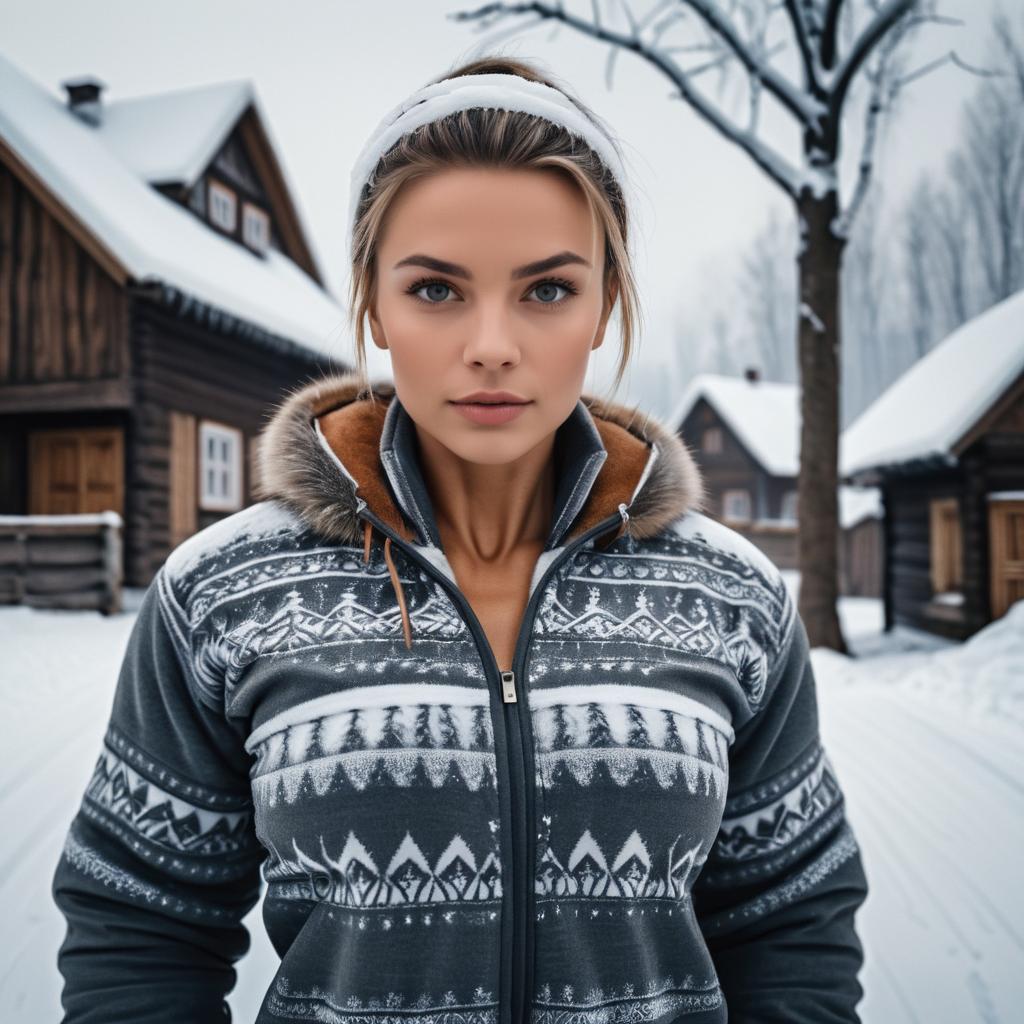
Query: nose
(492, 340)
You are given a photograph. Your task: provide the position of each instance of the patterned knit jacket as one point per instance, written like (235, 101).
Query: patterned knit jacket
(636, 823)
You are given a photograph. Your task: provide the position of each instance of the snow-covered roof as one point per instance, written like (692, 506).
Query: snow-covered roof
(172, 136)
(857, 504)
(764, 415)
(151, 236)
(927, 410)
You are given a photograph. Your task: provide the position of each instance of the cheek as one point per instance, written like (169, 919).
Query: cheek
(415, 340)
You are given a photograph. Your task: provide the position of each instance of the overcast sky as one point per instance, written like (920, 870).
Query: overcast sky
(325, 73)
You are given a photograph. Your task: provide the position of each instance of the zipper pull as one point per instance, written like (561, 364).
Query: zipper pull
(508, 687)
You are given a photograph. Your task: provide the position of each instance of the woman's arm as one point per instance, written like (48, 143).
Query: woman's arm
(777, 896)
(161, 861)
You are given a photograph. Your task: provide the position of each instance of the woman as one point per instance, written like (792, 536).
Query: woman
(512, 728)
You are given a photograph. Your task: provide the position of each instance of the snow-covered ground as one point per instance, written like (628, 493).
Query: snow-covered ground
(927, 738)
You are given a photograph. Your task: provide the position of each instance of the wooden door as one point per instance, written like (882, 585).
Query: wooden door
(77, 470)
(1006, 550)
(184, 500)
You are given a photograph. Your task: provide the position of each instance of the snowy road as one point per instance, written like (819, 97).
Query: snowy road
(928, 746)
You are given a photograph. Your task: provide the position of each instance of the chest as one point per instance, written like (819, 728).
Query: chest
(498, 595)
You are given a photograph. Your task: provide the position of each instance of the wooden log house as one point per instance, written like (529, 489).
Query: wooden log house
(745, 434)
(158, 295)
(945, 444)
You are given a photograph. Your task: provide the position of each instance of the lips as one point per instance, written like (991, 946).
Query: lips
(491, 398)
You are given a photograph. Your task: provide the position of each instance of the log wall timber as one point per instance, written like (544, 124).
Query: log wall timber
(62, 317)
(180, 367)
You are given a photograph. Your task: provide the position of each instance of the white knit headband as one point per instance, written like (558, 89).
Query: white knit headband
(496, 91)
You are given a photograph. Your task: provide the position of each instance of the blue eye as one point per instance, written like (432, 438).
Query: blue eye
(417, 286)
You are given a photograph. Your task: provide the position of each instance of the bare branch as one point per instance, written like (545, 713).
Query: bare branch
(888, 15)
(777, 168)
(876, 106)
(634, 31)
(652, 14)
(830, 30)
(677, 14)
(799, 104)
(803, 43)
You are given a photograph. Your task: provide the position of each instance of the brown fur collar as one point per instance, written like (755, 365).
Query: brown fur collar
(295, 468)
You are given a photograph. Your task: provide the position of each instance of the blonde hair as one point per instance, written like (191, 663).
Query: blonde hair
(495, 138)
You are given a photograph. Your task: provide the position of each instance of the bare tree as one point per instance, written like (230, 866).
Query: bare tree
(963, 233)
(989, 171)
(835, 43)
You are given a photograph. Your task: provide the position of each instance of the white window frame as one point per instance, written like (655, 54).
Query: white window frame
(222, 200)
(255, 227)
(220, 467)
(731, 495)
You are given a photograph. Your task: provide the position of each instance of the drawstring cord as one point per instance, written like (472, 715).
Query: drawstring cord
(395, 580)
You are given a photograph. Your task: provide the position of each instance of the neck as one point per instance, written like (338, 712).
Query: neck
(485, 514)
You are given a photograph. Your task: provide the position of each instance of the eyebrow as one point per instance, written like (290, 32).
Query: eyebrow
(455, 270)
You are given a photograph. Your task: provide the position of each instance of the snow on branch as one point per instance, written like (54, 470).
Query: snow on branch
(803, 106)
(803, 41)
(780, 170)
(888, 15)
(736, 31)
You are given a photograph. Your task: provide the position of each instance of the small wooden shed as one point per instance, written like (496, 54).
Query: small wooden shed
(945, 444)
(745, 434)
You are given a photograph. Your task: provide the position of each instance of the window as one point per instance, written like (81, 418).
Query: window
(736, 505)
(255, 227)
(223, 207)
(790, 505)
(711, 439)
(946, 546)
(220, 467)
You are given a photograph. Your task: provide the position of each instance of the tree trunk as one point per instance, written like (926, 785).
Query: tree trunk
(819, 265)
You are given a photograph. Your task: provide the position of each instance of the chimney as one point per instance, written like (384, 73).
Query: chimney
(84, 98)
(752, 374)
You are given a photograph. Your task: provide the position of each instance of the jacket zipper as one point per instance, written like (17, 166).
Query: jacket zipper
(517, 966)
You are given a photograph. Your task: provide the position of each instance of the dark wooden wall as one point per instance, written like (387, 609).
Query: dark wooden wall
(908, 550)
(180, 366)
(993, 462)
(732, 467)
(62, 317)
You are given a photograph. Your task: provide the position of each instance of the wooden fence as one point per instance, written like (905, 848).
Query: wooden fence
(68, 561)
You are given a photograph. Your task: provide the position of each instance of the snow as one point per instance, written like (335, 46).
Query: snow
(857, 504)
(926, 735)
(108, 518)
(151, 236)
(927, 410)
(764, 415)
(808, 314)
(172, 136)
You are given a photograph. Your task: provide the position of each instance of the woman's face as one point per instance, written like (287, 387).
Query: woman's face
(462, 303)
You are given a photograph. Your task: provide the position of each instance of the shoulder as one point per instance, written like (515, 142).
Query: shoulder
(259, 530)
(723, 546)
(728, 582)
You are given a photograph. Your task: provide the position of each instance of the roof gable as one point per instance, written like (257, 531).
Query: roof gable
(764, 416)
(142, 237)
(928, 410)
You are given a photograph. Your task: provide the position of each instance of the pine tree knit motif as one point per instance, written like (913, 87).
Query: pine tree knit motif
(652, 833)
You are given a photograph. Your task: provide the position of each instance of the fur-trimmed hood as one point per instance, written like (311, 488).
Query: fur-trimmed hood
(337, 448)
(328, 451)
